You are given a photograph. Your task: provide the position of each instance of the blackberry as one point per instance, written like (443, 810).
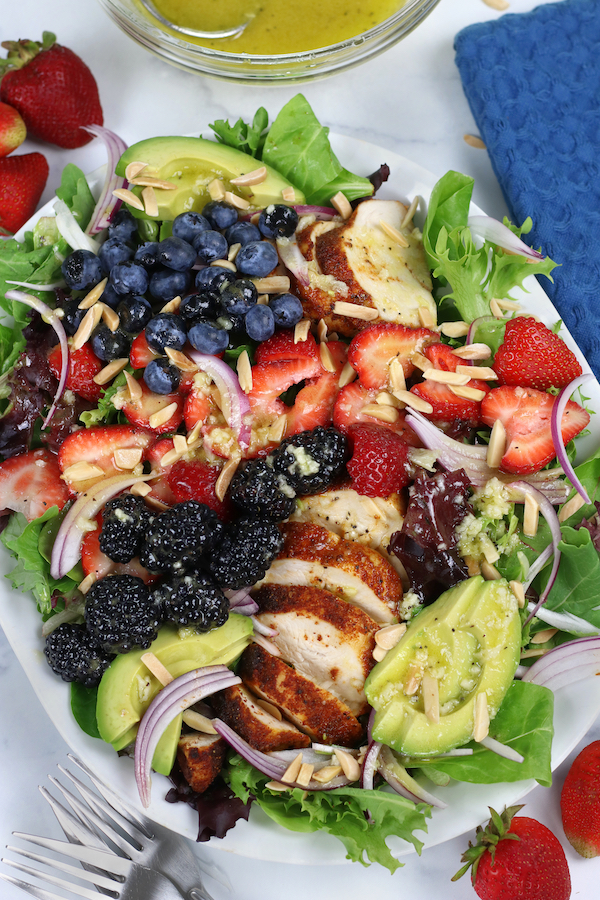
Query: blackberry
(73, 654)
(178, 538)
(255, 490)
(125, 521)
(312, 460)
(245, 552)
(120, 614)
(193, 599)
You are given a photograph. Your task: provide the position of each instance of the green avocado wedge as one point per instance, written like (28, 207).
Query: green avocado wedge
(128, 687)
(191, 164)
(469, 642)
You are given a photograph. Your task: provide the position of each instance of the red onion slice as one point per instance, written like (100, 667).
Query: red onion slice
(501, 749)
(292, 258)
(324, 213)
(369, 766)
(49, 316)
(397, 777)
(107, 203)
(496, 233)
(71, 230)
(38, 287)
(235, 403)
(556, 421)
(475, 325)
(566, 664)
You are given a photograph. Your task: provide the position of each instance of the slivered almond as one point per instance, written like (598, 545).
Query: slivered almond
(473, 140)
(170, 457)
(216, 189)
(110, 317)
(481, 725)
(327, 774)
(244, 371)
(278, 429)
(263, 300)
(355, 311)
(531, 654)
(519, 592)
(384, 398)
(134, 387)
(277, 786)
(397, 377)
(414, 402)
(322, 330)
(86, 584)
(500, 5)
(180, 443)
(127, 457)
(128, 197)
(489, 571)
(154, 665)
(443, 377)
(256, 176)
(388, 636)
(86, 327)
(455, 329)
(110, 370)
(570, 507)
(140, 489)
(469, 393)
(194, 434)
(198, 722)
(347, 375)
(288, 194)
(82, 471)
(172, 306)
(154, 183)
(224, 264)
(269, 708)
(542, 636)
(393, 233)
(431, 697)
(411, 685)
(379, 653)
(333, 336)
(156, 503)
(233, 251)
(481, 373)
(341, 203)
(273, 284)
(512, 305)
(473, 351)
(226, 474)
(420, 361)
(410, 212)
(326, 357)
(163, 415)
(387, 414)
(305, 774)
(473, 567)
(350, 766)
(293, 770)
(301, 331)
(179, 359)
(531, 516)
(236, 200)
(490, 551)
(150, 201)
(425, 317)
(495, 309)
(134, 168)
(497, 445)
(95, 294)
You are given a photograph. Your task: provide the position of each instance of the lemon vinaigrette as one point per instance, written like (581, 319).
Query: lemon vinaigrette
(277, 27)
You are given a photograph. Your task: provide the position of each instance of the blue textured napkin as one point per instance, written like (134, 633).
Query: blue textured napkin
(533, 83)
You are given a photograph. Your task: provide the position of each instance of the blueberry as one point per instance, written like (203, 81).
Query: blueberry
(165, 330)
(188, 224)
(129, 278)
(146, 254)
(112, 252)
(176, 254)
(233, 324)
(73, 316)
(242, 233)
(211, 245)
(208, 338)
(206, 305)
(82, 269)
(123, 226)
(110, 296)
(238, 297)
(212, 277)
(165, 284)
(161, 376)
(278, 220)
(287, 310)
(134, 313)
(260, 322)
(220, 214)
(257, 259)
(109, 345)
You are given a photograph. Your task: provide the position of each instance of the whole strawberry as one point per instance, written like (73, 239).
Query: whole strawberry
(12, 129)
(580, 802)
(531, 355)
(22, 182)
(517, 859)
(52, 89)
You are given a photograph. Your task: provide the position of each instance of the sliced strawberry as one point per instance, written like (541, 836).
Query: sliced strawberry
(281, 346)
(271, 379)
(379, 465)
(196, 480)
(160, 487)
(348, 408)
(338, 352)
(31, 483)
(372, 351)
(526, 414)
(448, 406)
(140, 412)
(83, 366)
(314, 404)
(531, 355)
(141, 354)
(441, 357)
(197, 408)
(97, 446)
(95, 562)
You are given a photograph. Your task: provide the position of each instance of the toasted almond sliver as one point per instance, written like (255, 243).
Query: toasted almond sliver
(322, 330)
(128, 197)
(273, 284)
(179, 359)
(481, 373)
(170, 457)
(355, 311)
(489, 571)
(570, 507)
(397, 377)
(413, 680)
(263, 300)
(519, 592)
(341, 203)
(82, 471)
(388, 636)
(134, 168)
(134, 387)
(414, 402)
(490, 551)
(140, 489)
(216, 189)
(305, 774)
(86, 326)
(150, 201)
(244, 371)
(384, 398)
(172, 306)
(95, 294)
(110, 317)
(162, 416)
(110, 370)
(393, 233)
(278, 429)
(236, 201)
(420, 361)
(269, 708)
(224, 264)
(327, 774)
(469, 393)
(455, 329)
(301, 331)
(500, 5)
(531, 654)
(531, 516)
(384, 413)
(497, 445)
(512, 305)
(326, 358)
(156, 503)
(233, 251)
(277, 786)
(431, 697)
(473, 567)
(154, 183)
(410, 212)
(198, 722)
(473, 140)
(87, 582)
(379, 653)
(473, 351)
(288, 194)
(496, 309)
(347, 375)
(154, 665)
(127, 457)
(481, 724)
(443, 377)
(293, 770)
(542, 636)
(224, 479)
(180, 444)
(349, 764)
(256, 176)
(426, 318)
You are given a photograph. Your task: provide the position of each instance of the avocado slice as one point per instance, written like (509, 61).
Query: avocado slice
(191, 164)
(127, 687)
(469, 639)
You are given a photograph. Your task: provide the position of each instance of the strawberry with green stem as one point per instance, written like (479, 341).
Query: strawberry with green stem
(12, 130)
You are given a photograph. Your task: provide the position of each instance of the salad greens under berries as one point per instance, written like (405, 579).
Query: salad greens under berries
(465, 514)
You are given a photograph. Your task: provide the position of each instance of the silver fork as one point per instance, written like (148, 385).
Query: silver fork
(101, 820)
(124, 879)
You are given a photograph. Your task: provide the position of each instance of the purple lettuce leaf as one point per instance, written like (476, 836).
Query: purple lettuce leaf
(218, 808)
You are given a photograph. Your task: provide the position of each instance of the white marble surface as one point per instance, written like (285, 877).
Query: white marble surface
(409, 100)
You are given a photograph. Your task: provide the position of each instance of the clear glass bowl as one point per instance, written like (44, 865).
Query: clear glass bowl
(253, 69)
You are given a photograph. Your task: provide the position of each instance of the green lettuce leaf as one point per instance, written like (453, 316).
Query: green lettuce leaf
(75, 192)
(83, 707)
(106, 413)
(249, 139)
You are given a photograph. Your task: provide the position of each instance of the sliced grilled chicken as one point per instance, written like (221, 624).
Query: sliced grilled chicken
(323, 637)
(312, 555)
(315, 711)
(201, 757)
(362, 264)
(239, 709)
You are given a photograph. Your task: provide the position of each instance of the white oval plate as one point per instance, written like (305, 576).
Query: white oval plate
(260, 838)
